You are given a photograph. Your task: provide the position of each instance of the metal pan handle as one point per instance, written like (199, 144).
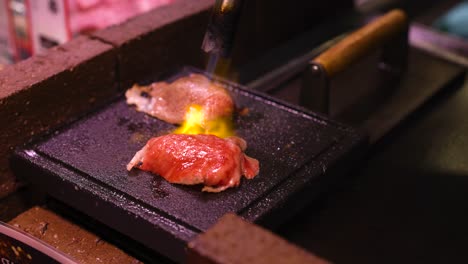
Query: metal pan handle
(361, 42)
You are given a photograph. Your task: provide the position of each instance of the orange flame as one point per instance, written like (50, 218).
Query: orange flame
(196, 123)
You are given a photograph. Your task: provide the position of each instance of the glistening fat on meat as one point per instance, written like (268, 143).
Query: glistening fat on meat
(197, 159)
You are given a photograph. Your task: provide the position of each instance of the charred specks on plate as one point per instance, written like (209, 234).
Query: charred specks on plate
(136, 127)
(139, 127)
(243, 111)
(80, 143)
(246, 118)
(134, 173)
(157, 189)
(122, 121)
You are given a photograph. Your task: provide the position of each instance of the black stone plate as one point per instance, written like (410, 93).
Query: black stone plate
(83, 165)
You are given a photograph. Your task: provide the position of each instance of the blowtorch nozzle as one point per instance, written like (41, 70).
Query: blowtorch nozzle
(221, 29)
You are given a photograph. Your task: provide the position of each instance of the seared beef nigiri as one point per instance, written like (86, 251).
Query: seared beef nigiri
(170, 101)
(197, 159)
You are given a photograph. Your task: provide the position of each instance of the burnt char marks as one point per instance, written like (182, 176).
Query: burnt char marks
(145, 94)
(157, 188)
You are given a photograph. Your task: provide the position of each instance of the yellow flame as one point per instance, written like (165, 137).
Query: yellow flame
(195, 123)
(226, 5)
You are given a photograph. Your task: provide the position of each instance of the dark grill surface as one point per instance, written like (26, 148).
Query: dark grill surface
(83, 165)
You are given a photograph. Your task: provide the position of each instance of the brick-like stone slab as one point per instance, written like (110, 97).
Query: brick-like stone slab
(234, 240)
(160, 41)
(44, 91)
(78, 243)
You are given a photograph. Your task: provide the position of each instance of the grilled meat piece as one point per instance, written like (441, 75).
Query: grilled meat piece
(197, 159)
(170, 101)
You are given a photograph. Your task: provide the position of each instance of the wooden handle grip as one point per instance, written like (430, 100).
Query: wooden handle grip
(362, 41)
